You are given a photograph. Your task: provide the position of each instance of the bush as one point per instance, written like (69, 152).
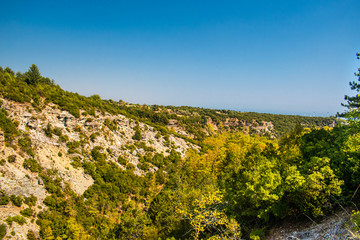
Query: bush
(64, 138)
(16, 200)
(48, 130)
(4, 199)
(137, 135)
(26, 145)
(97, 155)
(76, 162)
(72, 146)
(32, 165)
(27, 212)
(122, 161)
(2, 231)
(8, 126)
(30, 201)
(57, 131)
(93, 136)
(18, 219)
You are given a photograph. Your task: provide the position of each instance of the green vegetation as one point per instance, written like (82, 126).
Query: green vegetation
(18, 219)
(4, 199)
(26, 145)
(31, 235)
(31, 87)
(8, 127)
(137, 134)
(16, 200)
(30, 201)
(27, 212)
(239, 185)
(32, 165)
(2, 231)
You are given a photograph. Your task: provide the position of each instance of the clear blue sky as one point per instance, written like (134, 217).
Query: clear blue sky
(292, 57)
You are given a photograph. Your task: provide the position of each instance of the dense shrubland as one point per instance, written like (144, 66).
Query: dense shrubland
(238, 186)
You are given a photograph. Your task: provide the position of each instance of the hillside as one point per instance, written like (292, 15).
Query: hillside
(76, 167)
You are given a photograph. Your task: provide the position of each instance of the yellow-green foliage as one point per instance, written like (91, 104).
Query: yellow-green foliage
(18, 219)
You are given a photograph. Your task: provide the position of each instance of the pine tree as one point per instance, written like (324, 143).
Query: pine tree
(353, 102)
(33, 76)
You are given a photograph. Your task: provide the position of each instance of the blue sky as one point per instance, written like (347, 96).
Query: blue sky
(289, 57)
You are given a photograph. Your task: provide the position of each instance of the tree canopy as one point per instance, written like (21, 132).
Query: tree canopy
(33, 75)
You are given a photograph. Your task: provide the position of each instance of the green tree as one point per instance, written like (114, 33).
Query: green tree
(33, 75)
(137, 135)
(2, 231)
(353, 102)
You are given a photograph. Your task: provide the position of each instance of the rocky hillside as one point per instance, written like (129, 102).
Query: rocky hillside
(62, 142)
(75, 167)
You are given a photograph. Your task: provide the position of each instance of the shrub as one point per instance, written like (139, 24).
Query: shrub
(27, 212)
(93, 136)
(2, 231)
(8, 126)
(32, 165)
(30, 201)
(18, 219)
(76, 162)
(48, 130)
(57, 131)
(72, 146)
(122, 161)
(137, 135)
(97, 155)
(26, 145)
(16, 200)
(4, 199)
(64, 138)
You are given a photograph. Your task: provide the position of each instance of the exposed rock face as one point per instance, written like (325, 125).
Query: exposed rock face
(15, 180)
(115, 141)
(49, 159)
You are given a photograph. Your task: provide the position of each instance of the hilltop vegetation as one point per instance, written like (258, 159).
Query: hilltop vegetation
(41, 91)
(164, 172)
